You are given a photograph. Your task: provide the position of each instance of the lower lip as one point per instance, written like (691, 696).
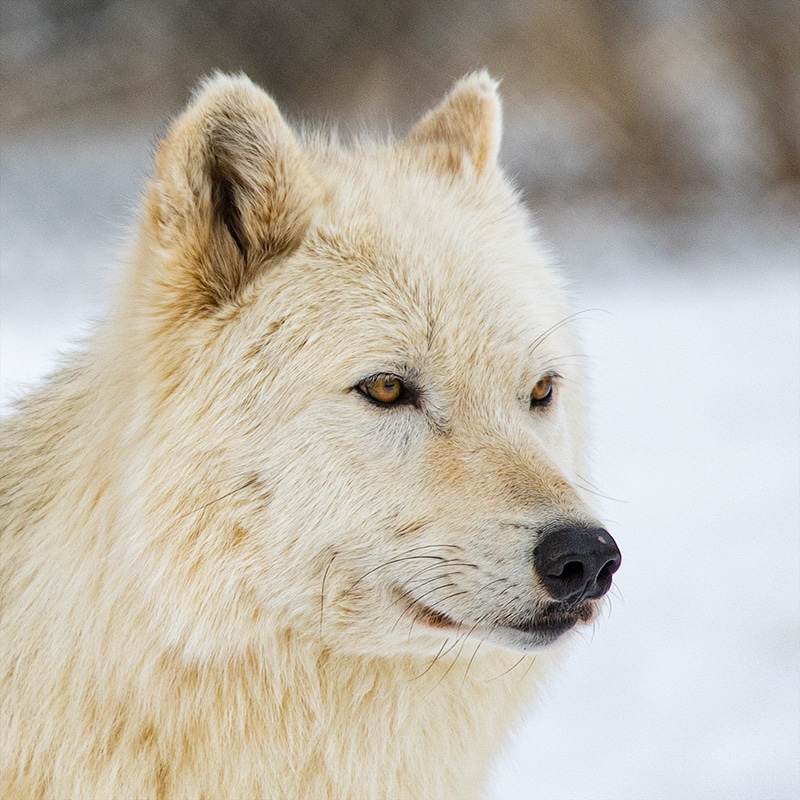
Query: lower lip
(539, 632)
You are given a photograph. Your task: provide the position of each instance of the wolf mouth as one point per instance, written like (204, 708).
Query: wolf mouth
(557, 621)
(539, 629)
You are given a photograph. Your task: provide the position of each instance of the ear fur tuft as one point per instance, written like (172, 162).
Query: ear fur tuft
(465, 126)
(232, 189)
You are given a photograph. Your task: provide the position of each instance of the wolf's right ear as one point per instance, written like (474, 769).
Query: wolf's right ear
(464, 129)
(232, 189)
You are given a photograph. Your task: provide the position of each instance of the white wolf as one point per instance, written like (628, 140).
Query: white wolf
(301, 520)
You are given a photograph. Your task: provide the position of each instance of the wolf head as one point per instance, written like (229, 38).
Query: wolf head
(356, 389)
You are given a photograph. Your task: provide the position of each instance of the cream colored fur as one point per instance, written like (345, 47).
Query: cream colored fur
(214, 545)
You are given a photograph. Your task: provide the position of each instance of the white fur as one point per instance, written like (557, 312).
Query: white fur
(212, 543)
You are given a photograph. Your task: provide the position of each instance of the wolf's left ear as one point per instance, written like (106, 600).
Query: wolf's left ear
(232, 190)
(464, 128)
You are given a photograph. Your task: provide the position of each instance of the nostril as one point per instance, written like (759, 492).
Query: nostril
(566, 580)
(608, 569)
(571, 572)
(602, 583)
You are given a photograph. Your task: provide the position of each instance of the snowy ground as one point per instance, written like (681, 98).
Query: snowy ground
(690, 687)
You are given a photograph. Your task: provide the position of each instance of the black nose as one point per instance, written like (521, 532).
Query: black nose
(576, 563)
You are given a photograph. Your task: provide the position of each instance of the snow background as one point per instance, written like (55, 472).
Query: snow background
(690, 686)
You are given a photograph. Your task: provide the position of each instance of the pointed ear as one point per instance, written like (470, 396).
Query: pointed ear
(232, 190)
(464, 128)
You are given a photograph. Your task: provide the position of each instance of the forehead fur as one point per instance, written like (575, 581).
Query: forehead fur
(420, 247)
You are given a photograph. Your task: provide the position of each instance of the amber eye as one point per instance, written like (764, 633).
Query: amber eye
(383, 389)
(542, 392)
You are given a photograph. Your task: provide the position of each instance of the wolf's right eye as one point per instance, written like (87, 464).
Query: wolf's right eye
(384, 389)
(542, 392)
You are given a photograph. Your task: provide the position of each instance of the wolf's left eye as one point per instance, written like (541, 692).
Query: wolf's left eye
(384, 389)
(542, 392)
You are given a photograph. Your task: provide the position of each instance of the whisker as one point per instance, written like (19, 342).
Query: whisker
(416, 601)
(469, 664)
(435, 659)
(593, 631)
(507, 603)
(423, 570)
(389, 563)
(553, 328)
(514, 666)
(420, 584)
(530, 667)
(436, 589)
(413, 602)
(203, 507)
(322, 593)
(558, 364)
(494, 580)
(454, 594)
(562, 358)
(434, 546)
(571, 360)
(510, 604)
(588, 486)
(453, 663)
(411, 628)
(455, 641)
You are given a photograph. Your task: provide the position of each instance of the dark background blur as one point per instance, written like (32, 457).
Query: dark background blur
(647, 98)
